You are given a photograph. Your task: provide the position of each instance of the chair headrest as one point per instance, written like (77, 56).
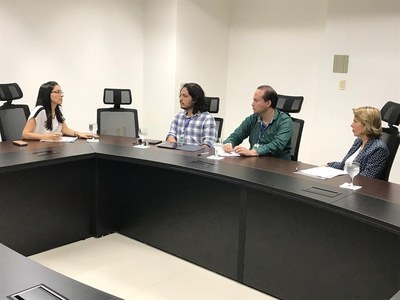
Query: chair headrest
(390, 113)
(212, 104)
(289, 104)
(117, 96)
(10, 92)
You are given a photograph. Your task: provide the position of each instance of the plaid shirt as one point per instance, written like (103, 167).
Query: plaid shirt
(200, 129)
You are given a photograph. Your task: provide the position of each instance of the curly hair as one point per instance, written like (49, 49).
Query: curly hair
(198, 97)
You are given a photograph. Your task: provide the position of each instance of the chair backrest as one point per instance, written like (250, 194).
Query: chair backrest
(219, 122)
(390, 113)
(213, 107)
(297, 131)
(12, 117)
(118, 121)
(117, 97)
(212, 104)
(10, 92)
(289, 104)
(292, 104)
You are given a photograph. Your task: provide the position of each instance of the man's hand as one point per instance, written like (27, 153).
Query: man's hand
(243, 151)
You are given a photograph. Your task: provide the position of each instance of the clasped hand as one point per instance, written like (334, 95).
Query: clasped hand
(242, 151)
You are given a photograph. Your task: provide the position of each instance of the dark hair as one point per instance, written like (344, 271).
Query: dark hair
(43, 99)
(269, 94)
(198, 97)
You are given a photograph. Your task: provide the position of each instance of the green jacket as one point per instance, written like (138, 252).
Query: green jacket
(275, 140)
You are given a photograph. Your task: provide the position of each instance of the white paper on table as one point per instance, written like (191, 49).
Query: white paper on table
(220, 151)
(64, 139)
(227, 154)
(92, 140)
(322, 172)
(215, 157)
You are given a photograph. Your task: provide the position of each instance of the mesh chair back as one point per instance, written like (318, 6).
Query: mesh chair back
(219, 122)
(213, 107)
(390, 113)
(212, 104)
(118, 121)
(12, 117)
(289, 104)
(292, 104)
(117, 97)
(12, 121)
(10, 92)
(298, 125)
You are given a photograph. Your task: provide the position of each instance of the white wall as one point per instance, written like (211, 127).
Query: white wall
(159, 66)
(84, 45)
(368, 31)
(277, 43)
(290, 45)
(227, 46)
(202, 47)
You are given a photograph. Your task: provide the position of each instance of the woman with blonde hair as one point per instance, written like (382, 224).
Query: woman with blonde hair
(368, 150)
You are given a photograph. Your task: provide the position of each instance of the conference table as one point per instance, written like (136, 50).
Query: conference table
(252, 219)
(24, 279)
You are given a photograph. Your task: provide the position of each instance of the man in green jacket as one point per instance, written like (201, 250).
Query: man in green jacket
(269, 130)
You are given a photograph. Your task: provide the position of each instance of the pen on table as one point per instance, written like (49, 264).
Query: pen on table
(204, 153)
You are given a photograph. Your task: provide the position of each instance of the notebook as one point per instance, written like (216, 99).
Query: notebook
(170, 145)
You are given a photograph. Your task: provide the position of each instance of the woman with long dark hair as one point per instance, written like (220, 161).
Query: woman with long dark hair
(46, 121)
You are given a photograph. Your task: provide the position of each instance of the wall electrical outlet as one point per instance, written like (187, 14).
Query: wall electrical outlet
(342, 84)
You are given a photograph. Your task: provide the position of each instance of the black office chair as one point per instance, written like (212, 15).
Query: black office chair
(292, 104)
(213, 107)
(12, 116)
(390, 113)
(219, 122)
(116, 120)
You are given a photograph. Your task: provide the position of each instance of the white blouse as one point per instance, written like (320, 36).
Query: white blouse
(39, 113)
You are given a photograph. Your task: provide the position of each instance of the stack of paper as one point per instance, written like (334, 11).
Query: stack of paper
(322, 172)
(64, 139)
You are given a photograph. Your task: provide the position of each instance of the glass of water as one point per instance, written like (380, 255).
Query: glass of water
(352, 168)
(217, 146)
(143, 134)
(93, 129)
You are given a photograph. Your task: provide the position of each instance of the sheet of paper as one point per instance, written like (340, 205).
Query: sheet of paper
(322, 172)
(226, 154)
(64, 139)
(215, 157)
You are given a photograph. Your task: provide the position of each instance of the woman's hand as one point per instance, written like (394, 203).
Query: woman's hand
(85, 135)
(53, 136)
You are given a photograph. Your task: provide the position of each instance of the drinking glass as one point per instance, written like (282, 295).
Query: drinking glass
(93, 128)
(352, 168)
(217, 146)
(143, 134)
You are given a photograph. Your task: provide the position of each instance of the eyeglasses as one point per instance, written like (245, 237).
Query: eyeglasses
(58, 92)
